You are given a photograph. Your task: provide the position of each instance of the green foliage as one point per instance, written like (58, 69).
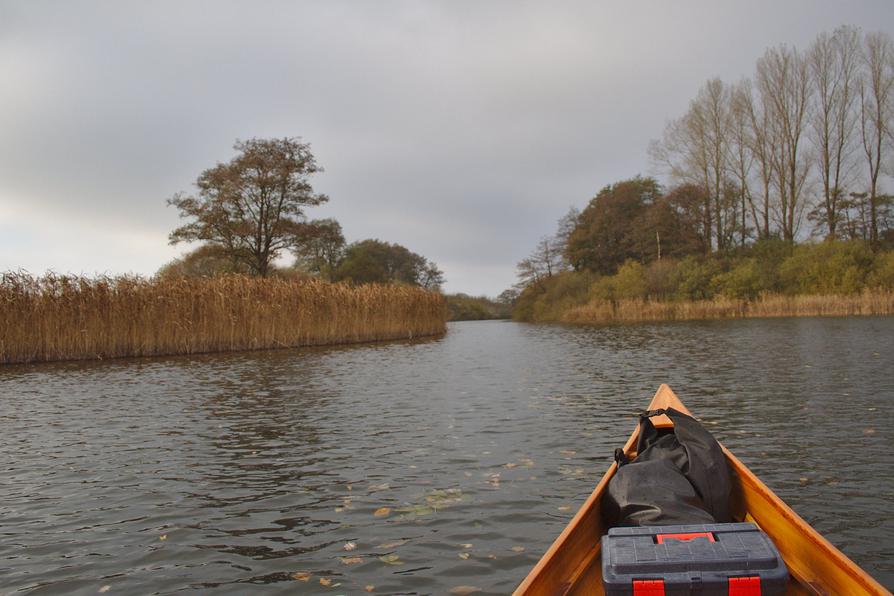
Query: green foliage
(633, 242)
(770, 266)
(547, 301)
(603, 288)
(566, 290)
(657, 280)
(462, 307)
(374, 261)
(744, 280)
(601, 240)
(693, 277)
(632, 220)
(827, 268)
(523, 309)
(882, 275)
(660, 278)
(630, 281)
(321, 248)
(769, 253)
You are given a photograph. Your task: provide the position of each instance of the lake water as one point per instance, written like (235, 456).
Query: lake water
(414, 468)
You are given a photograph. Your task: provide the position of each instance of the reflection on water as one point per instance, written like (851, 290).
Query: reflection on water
(415, 467)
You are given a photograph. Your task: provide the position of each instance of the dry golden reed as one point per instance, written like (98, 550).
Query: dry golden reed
(869, 302)
(69, 318)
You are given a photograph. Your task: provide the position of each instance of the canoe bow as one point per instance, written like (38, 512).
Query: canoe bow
(572, 563)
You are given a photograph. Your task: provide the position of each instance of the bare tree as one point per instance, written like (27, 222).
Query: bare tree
(544, 262)
(834, 62)
(875, 116)
(567, 224)
(680, 156)
(758, 112)
(693, 150)
(740, 157)
(713, 109)
(783, 81)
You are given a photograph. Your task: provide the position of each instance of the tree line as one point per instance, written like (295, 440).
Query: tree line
(635, 241)
(250, 211)
(809, 136)
(808, 139)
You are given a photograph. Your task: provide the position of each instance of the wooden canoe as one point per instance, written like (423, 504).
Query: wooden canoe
(572, 565)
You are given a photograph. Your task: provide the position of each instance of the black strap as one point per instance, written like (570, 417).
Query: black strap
(621, 458)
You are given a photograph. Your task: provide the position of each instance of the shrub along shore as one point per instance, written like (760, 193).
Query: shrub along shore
(73, 318)
(768, 279)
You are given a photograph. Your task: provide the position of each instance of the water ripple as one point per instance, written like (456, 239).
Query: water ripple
(415, 467)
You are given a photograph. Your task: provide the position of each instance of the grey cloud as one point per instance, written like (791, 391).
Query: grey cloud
(461, 129)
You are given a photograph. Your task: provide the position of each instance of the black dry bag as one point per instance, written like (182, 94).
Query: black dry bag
(679, 476)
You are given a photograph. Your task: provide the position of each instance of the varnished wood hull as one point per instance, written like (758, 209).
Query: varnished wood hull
(572, 564)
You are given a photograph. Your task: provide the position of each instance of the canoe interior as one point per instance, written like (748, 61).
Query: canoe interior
(572, 564)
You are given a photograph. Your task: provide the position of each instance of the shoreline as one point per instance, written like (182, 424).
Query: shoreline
(54, 319)
(867, 303)
(277, 348)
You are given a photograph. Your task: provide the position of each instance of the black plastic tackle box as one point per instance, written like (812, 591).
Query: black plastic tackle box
(736, 559)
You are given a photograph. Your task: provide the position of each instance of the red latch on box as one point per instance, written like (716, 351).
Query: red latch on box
(745, 586)
(662, 538)
(648, 587)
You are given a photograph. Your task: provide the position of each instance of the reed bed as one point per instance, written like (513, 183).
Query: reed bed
(869, 302)
(73, 318)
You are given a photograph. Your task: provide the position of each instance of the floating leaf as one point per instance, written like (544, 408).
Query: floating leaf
(518, 549)
(351, 560)
(466, 545)
(325, 581)
(526, 462)
(382, 512)
(391, 559)
(301, 576)
(376, 487)
(163, 537)
(464, 556)
(369, 587)
(464, 590)
(450, 495)
(509, 466)
(416, 510)
(105, 589)
(339, 509)
(564, 507)
(568, 452)
(390, 545)
(350, 545)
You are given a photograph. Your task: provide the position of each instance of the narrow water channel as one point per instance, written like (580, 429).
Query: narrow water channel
(414, 468)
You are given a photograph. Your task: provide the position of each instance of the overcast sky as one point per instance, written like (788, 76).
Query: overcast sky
(462, 130)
